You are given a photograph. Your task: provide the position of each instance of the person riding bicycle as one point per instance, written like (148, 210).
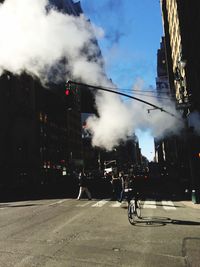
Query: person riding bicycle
(132, 196)
(130, 188)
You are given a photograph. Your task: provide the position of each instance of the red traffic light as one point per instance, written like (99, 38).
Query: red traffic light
(67, 92)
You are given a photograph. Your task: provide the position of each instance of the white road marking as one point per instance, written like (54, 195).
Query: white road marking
(168, 205)
(100, 203)
(83, 205)
(26, 261)
(149, 204)
(68, 221)
(58, 202)
(116, 204)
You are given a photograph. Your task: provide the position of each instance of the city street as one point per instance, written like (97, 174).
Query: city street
(99, 105)
(67, 232)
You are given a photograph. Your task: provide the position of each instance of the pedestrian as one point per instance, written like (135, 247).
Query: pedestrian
(116, 187)
(83, 183)
(122, 185)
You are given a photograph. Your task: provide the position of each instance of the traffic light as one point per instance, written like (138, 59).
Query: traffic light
(67, 92)
(69, 96)
(68, 89)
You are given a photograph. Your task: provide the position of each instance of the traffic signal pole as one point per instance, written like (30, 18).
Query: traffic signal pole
(122, 94)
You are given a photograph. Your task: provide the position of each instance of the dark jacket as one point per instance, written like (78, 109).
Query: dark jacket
(83, 180)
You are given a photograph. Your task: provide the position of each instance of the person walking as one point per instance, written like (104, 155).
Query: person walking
(83, 183)
(116, 187)
(122, 185)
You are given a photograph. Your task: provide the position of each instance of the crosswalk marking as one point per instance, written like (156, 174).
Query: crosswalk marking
(168, 205)
(100, 203)
(116, 204)
(145, 204)
(57, 202)
(83, 205)
(149, 204)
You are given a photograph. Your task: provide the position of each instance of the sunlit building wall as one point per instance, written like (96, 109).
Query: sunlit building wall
(181, 27)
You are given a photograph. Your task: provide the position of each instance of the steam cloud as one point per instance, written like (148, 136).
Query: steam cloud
(34, 38)
(118, 120)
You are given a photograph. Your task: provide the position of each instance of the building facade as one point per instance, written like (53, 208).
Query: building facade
(33, 136)
(40, 135)
(181, 28)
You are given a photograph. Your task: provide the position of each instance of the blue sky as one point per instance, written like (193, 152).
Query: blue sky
(133, 30)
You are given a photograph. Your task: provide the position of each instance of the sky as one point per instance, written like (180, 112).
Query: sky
(132, 35)
(128, 33)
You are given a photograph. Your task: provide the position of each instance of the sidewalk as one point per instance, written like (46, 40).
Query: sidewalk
(189, 203)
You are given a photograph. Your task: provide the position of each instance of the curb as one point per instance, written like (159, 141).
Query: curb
(191, 204)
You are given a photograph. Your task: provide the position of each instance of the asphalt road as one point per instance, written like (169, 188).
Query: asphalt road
(71, 233)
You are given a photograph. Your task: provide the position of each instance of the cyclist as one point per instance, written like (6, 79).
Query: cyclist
(130, 188)
(132, 196)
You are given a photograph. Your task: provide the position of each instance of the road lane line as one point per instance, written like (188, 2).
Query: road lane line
(100, 203)
(168, 205)
(149, 204)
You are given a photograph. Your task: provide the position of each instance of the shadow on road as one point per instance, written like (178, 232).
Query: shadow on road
(7, 205)
(161, 221)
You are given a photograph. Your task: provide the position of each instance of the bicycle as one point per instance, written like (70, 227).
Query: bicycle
(134, 208)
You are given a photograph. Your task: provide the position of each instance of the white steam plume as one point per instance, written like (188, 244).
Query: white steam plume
(35, 40)
(118, 120)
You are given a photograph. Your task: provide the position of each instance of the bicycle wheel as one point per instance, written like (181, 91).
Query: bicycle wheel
(132, 215)
(138, 209)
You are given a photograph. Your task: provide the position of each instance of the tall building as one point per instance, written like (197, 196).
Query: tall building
(68, 6)
(40, 135)
(162, 87)
(33, 136)
(73, 101)
(165, 148)
(80, 149)
(129, 154)
(181, 27)
(182, 49)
